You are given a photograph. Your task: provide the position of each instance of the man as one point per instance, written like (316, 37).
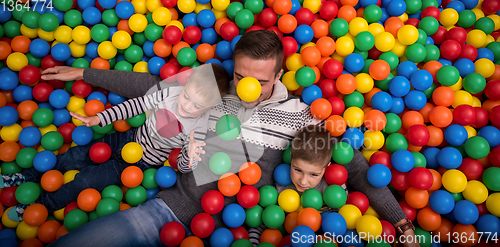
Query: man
(268, 124)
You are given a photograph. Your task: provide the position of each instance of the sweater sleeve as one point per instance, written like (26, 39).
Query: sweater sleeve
(254, 234)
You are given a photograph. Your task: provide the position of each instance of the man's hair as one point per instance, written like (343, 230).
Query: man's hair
(313, 144)
(260, 45)
(210, 81)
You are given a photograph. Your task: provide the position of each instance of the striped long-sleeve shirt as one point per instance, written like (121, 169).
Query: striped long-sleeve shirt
(163, 130)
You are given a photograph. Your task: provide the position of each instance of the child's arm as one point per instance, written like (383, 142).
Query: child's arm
(88, 121)
(254, 234)
(188, 157)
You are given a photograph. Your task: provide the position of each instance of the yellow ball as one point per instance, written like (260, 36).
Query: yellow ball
(106, 50)
(137, 23)
(371, 211)
(121, 39)
(141, 67)
(294, 62)
(351, 215)
(358, 25)
(367, 153)
(457, 86)
(177, 24)
(376, 29)
(476, 38)
(403, 17)
(485, 67)
(199, 7)
(8, 222)
(140, 6)
(152, 5)
(454, 181)
(16, 61)
(70, 176)
(364, 83)
(11, 133)
(496, 20)
(489, 39)
(368, 227)
(374, 140)
(220, 5)
(479, 13)
(162, 16)
(75, 104)
(249, 89)
(81, 35)
(345, 46)
(63, 34)
(470, 131)
(59, 214)
(219, 14)
(338, 57)
(77, 50)
(399, 49)
(313, 5)
(46, 129)
(476, 102)
(354, 116)
(132, 152)
(308, 44)
(47, 36)
(384, 42)
(476, 192)
(492, 204)
(76, 121)
(408, 35)
(449, 17)
(25, 231)
(186, 6)
(28, 32)
(462, 98)
(289, 81)
(289, 200)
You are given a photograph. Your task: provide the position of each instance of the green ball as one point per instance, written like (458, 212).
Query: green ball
(448, 75)
(112, 62)
(228, 127)
(428, 92)
(364, 54)
(413, 6)
(93, 215)
(137, 120)
(432, 53)
(124, 66)
(474, 83)
(273, 216)
(112, 191)
(73, 18)
(81, 63)
(342, 153)
(148, 180)
(244, 19)
(416, 52)
(219, 163)
(422, 37)
(136, 196)
(97, 136)
(378, 243)
(466, 18)
(429, 24)
(139, 38)
(75, 218)
(384, 84)
(28, 192)
(18, 14)
(393, 123)
(12, 29)
(32, 60)
(233, 9)
(43, 117)
(107, 206)
(63, 5)
(256, 6)
(287, 155)
(305, 76)
(477, 147)
(372, 13)
(366, 68)
(52, 141)
(100, 33)
(339, 27)
(491, 178)
(48, 22)
(311, 198)
(268, 196)
(457, 196)
(429, 3)
(102, 130)
(153, 32)
(487, 25)
(186, 56)
(265, 244)
(10, 167)
(396, 141)
(493, 46)
(25, 156)
(354, 99)
(391, 58)
(420, 160)
(149, 18)
(68, 86)
(334, 196)
(253, 216)
(242, 243)
(423, 236)
(30, 19)
(364, 41)
(109, 18)
(2, 31)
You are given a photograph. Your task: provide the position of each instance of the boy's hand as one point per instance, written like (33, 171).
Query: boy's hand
(88, 121)
(62, 73)
(194, 149)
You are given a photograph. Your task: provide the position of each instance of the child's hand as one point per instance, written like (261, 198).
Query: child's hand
(194, 149)
(89, 121)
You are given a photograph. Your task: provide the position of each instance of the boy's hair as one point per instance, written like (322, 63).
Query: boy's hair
(313, 144)
(210, 81)
(260, 45)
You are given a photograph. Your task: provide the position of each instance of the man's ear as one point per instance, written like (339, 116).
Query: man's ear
(278, 76)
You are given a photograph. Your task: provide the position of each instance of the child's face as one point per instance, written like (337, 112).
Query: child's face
(306, 175)
(190, 104)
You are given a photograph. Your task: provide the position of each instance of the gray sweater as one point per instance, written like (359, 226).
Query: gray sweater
(267, 130)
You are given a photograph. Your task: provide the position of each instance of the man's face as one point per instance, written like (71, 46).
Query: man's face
(262, 70)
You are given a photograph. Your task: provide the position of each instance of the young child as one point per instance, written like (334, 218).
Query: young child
(179, 120)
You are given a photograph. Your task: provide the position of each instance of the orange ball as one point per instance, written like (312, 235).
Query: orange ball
(432, 67)
(416, 198)
(321, 108)
(291, 221)
(466, 230)
(26, 109)
(309, 217)
(177, 47)
(436, 180)
(326, 46)
(282, 7)
(436, 136)
(428, 219)
(270, 3)
(272, 236)
(204, 52)
(132, 176)
(392, 25)
(20, 44)
(360, 11)
(124, 206)
(31, 242)
(5, 50)
(349, 2)
(379, 70)
(322, 61)
(192, 241)
(219, 23)
(52, 180)
(174, 14)
(347, 12)
(48, 230)
(3, 100)
(287, 23)
(411, 118)
(336, 125)
(443, 96)
(310, 56)
(123, 25)
(88, 199)
(425, 111)
(99, 63)
(496, 74)
(444, 230)
(375, 120)
(320, 28)
(441, 116)
(162, 48)
(346, 84)
(35, 214)
(250, 173)
(121, 125)
(229, 184)
(489, 104)
(93, 107)
(8, 151)
(61, 232)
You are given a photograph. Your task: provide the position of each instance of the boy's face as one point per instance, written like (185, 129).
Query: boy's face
(306, 175)
(190, 104)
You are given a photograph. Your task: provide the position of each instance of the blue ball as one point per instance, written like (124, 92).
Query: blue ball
(60, 52)
(59, 98)
(206, 18)
(8, 242)
(107, 4)
(300, 235)
(61, 116)
(45, 105)
(223, 50)
(485, 53)
(399, 86)
(365, 3)
(5, 14)
(115, 99)
(449, 158)
(91, 15)
(417, 15)
(7, 233)
(112, 31)
(91, 50)
(221, 237)
(83, 4)
(39, 48)
(9, 115)
(465, 66)
(282, 175)
(44, 161)
(456, 5)
(488, 223)
(124, 9)
(203, 1)
(444, 61)
(455, 135)
(214, 60)
(209, 36)
(334, 223)
(228, 65)
(491, 134)
(40, 8)
(429, 41)
(351, 239)
(354, 137)
(354, 63)
(396, 8)
(303, 34)
(151, 193)
(59, 14)
(442, 202)
(470, 4)
(382, 101)
(385, 3)
(385, 16)
(311, 93)
(189, 20)
(295, 7)
(415, 100)
(82, 135)
(406, 69)
(430, 155)
(155, 64)
(70, 61)
(398, 105)
(235, 41)
(9, 81)
(166, 177)
(466, 212)
(379, 175)
(22, 93)
(148, 48)
(233, 215)
(403, 160)
(30, 136)
(421, 80)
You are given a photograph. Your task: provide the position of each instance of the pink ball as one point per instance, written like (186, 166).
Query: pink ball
(450, 49)
(172, 35)
(172, 233)
(359, 200)
(420, 178)
(465, 115)
(248, 196)
(202, 225)
(418, 135)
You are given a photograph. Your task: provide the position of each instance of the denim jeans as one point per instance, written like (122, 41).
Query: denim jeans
(138, 226)
(91, 175)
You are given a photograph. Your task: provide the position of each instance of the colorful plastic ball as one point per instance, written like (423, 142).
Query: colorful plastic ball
(59, 98)
(82, 135)
(402, 160)
(248, 196)
(233, 215)
(22, 93)
(43, 117)
(466, 212)
(477, 147)
(106, 50)
(354, 63)
(381, 101)
(442, 202)
(364, 41)
(166, 177)
(384, 42)
(476, 192)
(354, 137)
(282, 175)
(115, 99)
(10, 80)
(449, 158)
(455, 135)
(16, 61)
(9, 115)
(28, 192)
(202, 225)
(450, 49)
(399, 86)
(311, 93)
(124, 10)
(52, 141)
(100, 152)
(212, 202)
(221, 237)
(485, 68)
(172, 233)
(379, 175)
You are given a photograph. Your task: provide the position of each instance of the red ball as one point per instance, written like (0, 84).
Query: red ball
(168, 72)
(495, 116)
(100, 152)
(304, 16)
(202, 225)
(172, 35)
(169, 3)
(420, 178)
(332, 68)
(492, 90)
(399, 180)
(471, 168)
(413, 21)
(410, 212)
(254, 28)
(30, 74)
(267, 17)
(440, 36)
(290, 46)
(41, 91)
(465, 115)
(328, 10)
(328, 88)
(494, 157)
(381, 157)
(276, 30)
(192, 34)
(482, 208)
(49, 62)
(172, 158)
(418, 135)
(229, 30)
(239, 233)
(432, 12)
(81, 89)
(69, 207)
(481, 118)
(374, 53)
(66, 129)
(335, 174)
(469, 52)
(8, 196)
(212, 201)
(172, 233)
(457, 33)
(248, 196)
(359, 200)
(490, 7)
(388, 231)
(338, 105)
(57, 84)
(450, 49)
(174, 61)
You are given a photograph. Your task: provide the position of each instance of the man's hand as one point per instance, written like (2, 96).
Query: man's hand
(88, 121)
(193, 149)
(62, 73)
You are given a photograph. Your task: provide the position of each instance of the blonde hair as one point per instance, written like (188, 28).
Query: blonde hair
(210, 81)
